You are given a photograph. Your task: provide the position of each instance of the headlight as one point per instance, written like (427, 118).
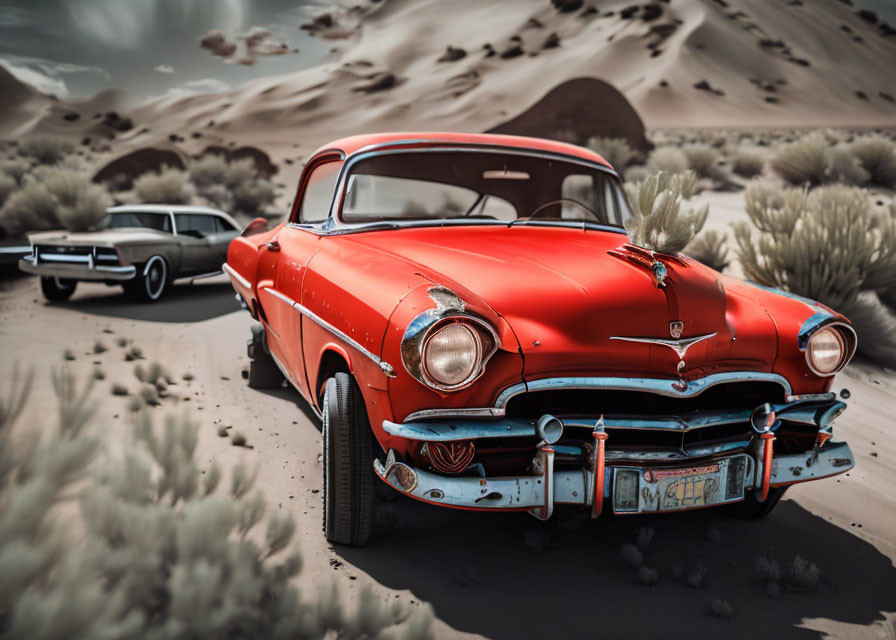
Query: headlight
(452, 354)
(825, 351)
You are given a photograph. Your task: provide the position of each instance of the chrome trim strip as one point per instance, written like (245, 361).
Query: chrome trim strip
(679, 346)
(210, 274)
(660, 386)
(23, 250)
(305, 311)
(234, 274)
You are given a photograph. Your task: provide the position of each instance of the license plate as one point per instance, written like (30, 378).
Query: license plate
(639, 489)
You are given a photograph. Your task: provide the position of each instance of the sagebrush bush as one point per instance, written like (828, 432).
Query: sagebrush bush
(721, 608)
(843, 167)
(702, 160)
(658, 222)
(632, 555)
(168, 186)
(748, 163)
(16, 168)
(877, 156)
(231, 185)
(710, 248)
(826, 245)
(616, 151)
(803, 161)
(167, 552)
(80, 204)
(669, 159)
(7, 186)
(45, 149)
(31, 208)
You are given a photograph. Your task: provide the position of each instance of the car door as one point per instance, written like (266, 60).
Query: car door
(283, 260)
(193, 231)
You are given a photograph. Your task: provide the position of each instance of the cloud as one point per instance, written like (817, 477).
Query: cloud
(245, 47)
(164, 68)
(206, 85)
(45, 75)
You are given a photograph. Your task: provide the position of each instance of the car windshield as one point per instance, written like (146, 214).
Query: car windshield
(481, 185)
(146, 219)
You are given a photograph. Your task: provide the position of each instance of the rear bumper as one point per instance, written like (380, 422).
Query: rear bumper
(538, 493)
(71, 271)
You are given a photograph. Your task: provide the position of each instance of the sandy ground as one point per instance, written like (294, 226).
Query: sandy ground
(500, 576)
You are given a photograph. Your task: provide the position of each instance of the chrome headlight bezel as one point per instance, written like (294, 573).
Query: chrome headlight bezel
(449, 309)
(845, 336)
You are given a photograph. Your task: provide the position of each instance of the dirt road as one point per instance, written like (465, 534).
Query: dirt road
(501, 576)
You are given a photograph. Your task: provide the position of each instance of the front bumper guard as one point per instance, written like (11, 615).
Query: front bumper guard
(538, 494)
(77, 271)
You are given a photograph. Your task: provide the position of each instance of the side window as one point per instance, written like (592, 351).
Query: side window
(188, 222)
(318, 195)
(222, 225)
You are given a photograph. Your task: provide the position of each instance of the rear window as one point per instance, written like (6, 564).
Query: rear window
(145, 219)
(195, 222)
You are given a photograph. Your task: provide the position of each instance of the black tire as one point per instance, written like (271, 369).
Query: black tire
(348, 464)
(151, 281)
(263, 371)
(57, 289)
(751, 507)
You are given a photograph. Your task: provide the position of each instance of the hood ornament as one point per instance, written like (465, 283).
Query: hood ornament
(679, 345)
(675, 328)
(649, 260)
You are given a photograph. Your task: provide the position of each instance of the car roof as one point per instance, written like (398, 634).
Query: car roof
(366, 142)
(165, 208)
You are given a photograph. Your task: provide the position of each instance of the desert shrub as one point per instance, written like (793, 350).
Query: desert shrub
(702, 160)
(803, 574)
(721, 608)
(31, 208)
(7, 186)
(803, 161)
(648, 576)
(45, 149)
(644, 537)
(80, 203)
(16, 168)
(616, 151)
(669, 159)
(711, 249)
(696, 579)
(877, 156)
(232, 185)
(826, 245)
(748, 163)
(168, 551)
(169, 186)
(658, 222)
(844, 167)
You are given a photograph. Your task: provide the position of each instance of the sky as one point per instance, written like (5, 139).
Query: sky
(76, 48)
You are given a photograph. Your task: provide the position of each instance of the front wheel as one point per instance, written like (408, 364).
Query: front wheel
(57, 289)
(348, 463)
(151, 280)
(751, 507)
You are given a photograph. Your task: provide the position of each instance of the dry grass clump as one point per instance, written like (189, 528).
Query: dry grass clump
(658, 223)
(721, 608)
(16, 168)
(169, 186)
(169, 551)
(826, 245)
(632, 555)
(644, 537)
(877, 156)
(702, 160)
(843, 167)
(31, 208)
(710, 248)
(616, 151)
(803, 161)
(648, 576)
(45, 149)
(231, 185)
(80, 204)
(748, 163)
(669, 159)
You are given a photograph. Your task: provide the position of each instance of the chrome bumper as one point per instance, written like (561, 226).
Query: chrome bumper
(76, 271)
(538, 494)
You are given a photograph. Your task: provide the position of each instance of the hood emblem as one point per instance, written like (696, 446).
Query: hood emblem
(675, 328)
(680, 346)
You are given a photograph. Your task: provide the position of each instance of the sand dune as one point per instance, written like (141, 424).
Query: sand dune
(688, 63)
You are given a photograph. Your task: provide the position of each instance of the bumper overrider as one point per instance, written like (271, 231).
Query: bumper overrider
(620, 480)
(86, 269)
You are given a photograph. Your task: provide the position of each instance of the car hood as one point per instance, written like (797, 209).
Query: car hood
(103, 237)
(577, 309)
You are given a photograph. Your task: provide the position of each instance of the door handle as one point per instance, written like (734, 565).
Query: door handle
(272, 245)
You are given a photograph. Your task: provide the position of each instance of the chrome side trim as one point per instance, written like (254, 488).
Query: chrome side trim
(210, 274)
(236, 276)
(680, 346)
(660, 386)
(23, 250)
(305, 311)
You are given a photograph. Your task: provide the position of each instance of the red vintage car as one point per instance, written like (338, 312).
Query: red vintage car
(467, 316)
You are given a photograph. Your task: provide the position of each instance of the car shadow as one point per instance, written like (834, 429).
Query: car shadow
(288, 394)
(181, 303)
(511, 576)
